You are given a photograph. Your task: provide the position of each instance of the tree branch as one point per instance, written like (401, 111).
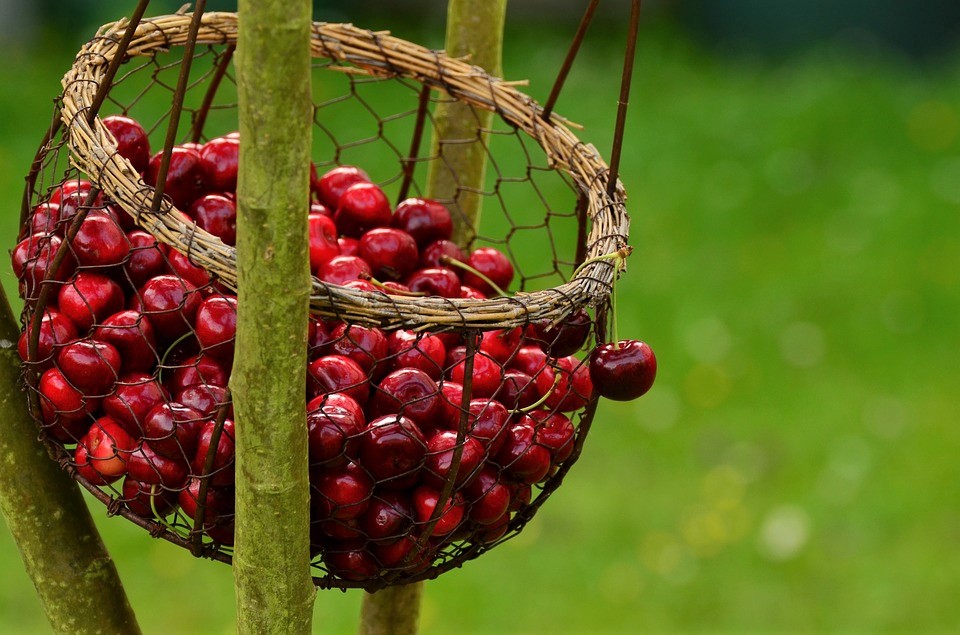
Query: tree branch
(275, 590)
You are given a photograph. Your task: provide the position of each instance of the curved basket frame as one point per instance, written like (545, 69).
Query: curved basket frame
(376, 54)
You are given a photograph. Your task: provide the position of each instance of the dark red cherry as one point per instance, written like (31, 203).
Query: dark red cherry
(343, 269)
(171, 303)
(56, 330)
(332, 434)
(172, 430)
(388, 516)
(216, 326)
(145, 260)
(391, 253)
(522, 458)
(132, 141)
(135, 395)
(421, 351)
(216, 214)
(336, 373)
(439, 462)
(91, 366)
(90, 299)
(367, 346)
(331, 186)
(489, 498)
(435, 281)
(184, 266)
(132, 334)
(411, 393)
(343, 493)
(362, 207)
(198, 369)
(494, 265)
(185, 181)
(424, 219)
(223, 469)
(65, 410)
(205, 399)
(623, 370)
(392, 451)
(425, 501)
(323, 240)
(220, 158)
(566, 337)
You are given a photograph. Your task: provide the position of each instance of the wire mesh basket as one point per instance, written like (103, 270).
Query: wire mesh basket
(444, 408)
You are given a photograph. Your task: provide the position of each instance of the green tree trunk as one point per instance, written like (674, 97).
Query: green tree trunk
(275, 590)
(74, 576)
(474, 28)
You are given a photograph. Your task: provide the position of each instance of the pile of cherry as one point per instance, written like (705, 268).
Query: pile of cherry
(135, 348)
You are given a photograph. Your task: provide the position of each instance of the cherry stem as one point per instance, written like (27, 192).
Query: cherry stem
(619, 255)
(447, 260)
(539, 402)
(388, 290)
(166, 354)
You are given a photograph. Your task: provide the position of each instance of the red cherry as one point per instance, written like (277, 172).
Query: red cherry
(556, 433)
(494, 531)
(574, 388)
(65, 410)
(341, 401)
(530, 360)
(132, 334)
(218, 506)
(145, 261)
(185, 181)
(502, 344)
(489, 498)
(392, 450)
(624, 370)
(391, 253)
(171, 304)
(336, 373)
(469, 293)
(147, 466)
(184, 267)
(412, 393)
(343, 493)
(397, 553)
(342, 269)
(366, 346)
(451, 398)
(101, 455)
(388, 516)
(421, 351)
(132, 142)
(491, 263)
(425, 500)
(331, 186)
(435, 281)
(566, 337)
(44, 219)
(205, 399)
(56, 330)
(348, 246)
(100, 242)
(362, 207)
(93, 367)
(216, 326)
(486, 378)
(424, 219)
(521, 456)
(172, 429)
(323, 240)
(199, 369)
(68, 188)
(321, 209)
(33, 262)
(220, 158)
(90, 299)
(352, 563)
(439, 462)
(222, 472)
(433, 254)
(216, 214)
(487, 422)
(136, 394)
(519, 390)
(332, 434)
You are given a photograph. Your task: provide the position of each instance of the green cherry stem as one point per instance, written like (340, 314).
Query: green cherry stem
(619, 255)
(447, 260)
(539, 402)
(388, 290)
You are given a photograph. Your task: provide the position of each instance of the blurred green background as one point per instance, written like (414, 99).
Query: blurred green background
(796, 224)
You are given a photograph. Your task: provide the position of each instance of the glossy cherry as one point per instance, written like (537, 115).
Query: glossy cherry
(171, 304)
(362, 207)
(133, 336)
(220, 158)
(342, 269)
(186, 180)
(392, 450)
(90, 298)
(391, 253)
(172, 429)
(439, 462)
(323, 240)
(491, 263)
(566, 337)
(132, 141)
(522, 458)
(56, 330)
(93, 367)
(216, 326)
(223, 469)
(135, 395)
(336, 373)
(424, 219)
(331, 186)
(438, 281)
(623, 370)
(216, 214)
(342, 493)
(410, 392)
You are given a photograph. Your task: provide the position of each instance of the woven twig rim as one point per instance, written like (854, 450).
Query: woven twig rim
(376, 54)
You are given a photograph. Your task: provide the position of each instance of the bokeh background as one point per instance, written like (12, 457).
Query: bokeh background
(794, 179)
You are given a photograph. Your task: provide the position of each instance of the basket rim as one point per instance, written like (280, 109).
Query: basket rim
(93, 150)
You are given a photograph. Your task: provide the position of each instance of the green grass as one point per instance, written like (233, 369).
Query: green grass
(796, 269)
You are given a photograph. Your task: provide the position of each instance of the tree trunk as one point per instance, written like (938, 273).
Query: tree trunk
(275, 590)
(74, 576)
(474, 28)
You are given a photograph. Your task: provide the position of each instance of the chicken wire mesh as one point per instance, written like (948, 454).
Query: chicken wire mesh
(443, 409)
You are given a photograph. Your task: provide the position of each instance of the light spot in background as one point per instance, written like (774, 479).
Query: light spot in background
(621, 583)
(706, 386)
(748, 459)
(846, 233)
(875, 192)
(933, 125)
(885, 416)
(723, 487)
(726, 185)
(784, 531)
(705, 531)
(802, 344)
(707, 340)
(663, 554)
(848, 463)
(789, 171)
(945, 180)
(902, 312)
(659, 410)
